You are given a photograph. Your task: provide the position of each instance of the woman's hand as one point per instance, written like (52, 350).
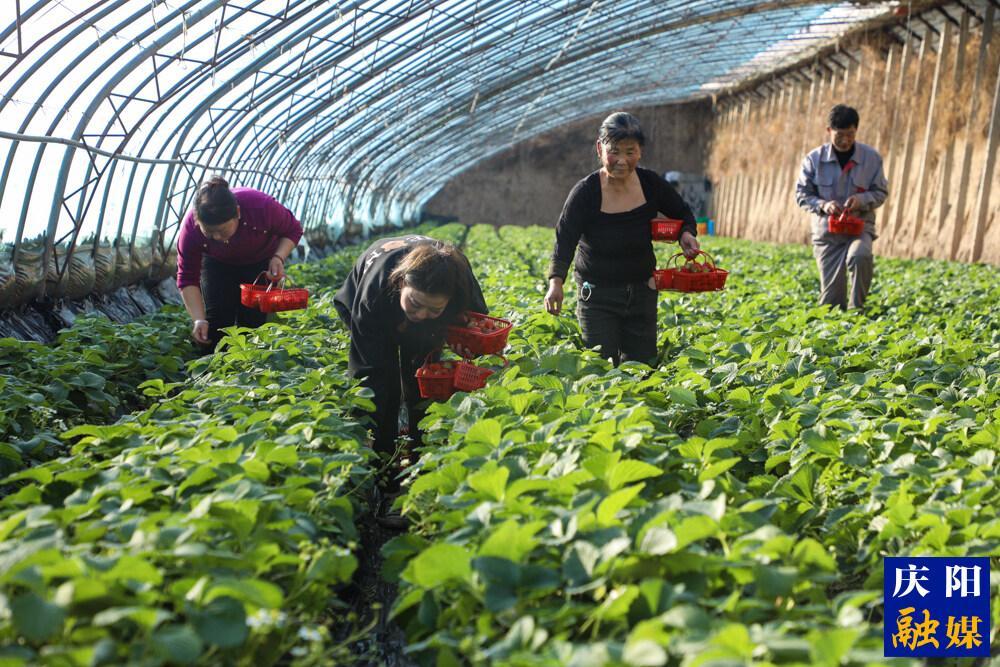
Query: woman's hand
(276, 268)
(830, 207)
(689, 245)
(554, 297)
(200, 332)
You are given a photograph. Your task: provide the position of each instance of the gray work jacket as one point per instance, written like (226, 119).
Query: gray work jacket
(823, 180)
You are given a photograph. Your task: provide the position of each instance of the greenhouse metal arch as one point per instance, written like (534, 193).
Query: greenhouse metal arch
(353, 113)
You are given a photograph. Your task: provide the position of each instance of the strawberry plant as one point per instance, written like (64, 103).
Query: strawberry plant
(89, 375)
(218, 525)
(732, 504)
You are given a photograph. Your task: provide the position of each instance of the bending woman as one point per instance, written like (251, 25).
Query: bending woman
(228, 238)
(397, 302)
(608, 214)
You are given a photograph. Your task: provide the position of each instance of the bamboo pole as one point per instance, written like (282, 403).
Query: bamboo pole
(732, 225)
(786, 187)
(883, 120)
(744, 179)
(860, 69)
(902, 183)
(833, 78)
(945, 208)
(889, 157)
(986, 183)
(723, 224)
(716, 202)
(921, 193)
(722, 180)
(766, 110)
(970, 129)
(813, 85)
(890, 152)
(773, 205)
(806, 126)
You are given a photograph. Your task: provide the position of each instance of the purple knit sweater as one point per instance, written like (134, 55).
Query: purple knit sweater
(263, 223)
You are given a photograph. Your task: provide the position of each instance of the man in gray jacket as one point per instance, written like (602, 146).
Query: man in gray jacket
(842, 175)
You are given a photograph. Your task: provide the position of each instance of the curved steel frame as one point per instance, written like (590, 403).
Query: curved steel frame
(353, 113)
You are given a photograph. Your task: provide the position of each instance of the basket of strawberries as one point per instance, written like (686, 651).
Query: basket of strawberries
(480, 334)
(845, 223)
(436, 379)
(664, 278)
(697, 276)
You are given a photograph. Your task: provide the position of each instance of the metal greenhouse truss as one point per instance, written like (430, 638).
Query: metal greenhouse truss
(353, 114)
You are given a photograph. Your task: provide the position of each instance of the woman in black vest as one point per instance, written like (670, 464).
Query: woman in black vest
(397, 303)
(608, 214)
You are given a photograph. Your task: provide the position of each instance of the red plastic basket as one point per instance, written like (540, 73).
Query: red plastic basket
(476, 340)
(250, 292)
(845, 224)
(469, 377)
(276, 300)
(707, 278)
(436, 380)
(665, 229)
(664, 278)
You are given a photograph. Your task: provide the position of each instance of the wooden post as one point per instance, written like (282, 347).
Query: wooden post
(897, 102)
(718, 197)
(718, 209)
(903, 190)
(721, 180)
(723, 224)
(806, 126)
(921, 192)
(748, 213)
(787, 213)
(944, 209)
(761, 228)
(860, 69)
(772, 200)
(725, 181)
(970, 129)
(734, 224)
(833, 77)
(889, 157)
(744, 203)
(986, 183)
(883, 120)
(847, 77)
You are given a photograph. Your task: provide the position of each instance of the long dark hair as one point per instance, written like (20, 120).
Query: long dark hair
(215, 203)
(439, 268)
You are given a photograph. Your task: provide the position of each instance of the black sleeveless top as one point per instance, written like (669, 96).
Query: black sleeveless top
(615, 249)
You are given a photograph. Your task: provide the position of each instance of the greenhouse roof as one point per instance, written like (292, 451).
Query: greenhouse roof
(113, 110)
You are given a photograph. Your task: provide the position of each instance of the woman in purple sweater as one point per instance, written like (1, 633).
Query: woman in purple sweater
(229, 238)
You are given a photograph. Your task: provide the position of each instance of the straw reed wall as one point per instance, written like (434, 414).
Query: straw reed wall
(928, 103)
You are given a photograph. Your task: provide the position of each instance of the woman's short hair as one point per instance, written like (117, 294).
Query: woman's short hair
(620, 126)
(215, 203)
(436, 267)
